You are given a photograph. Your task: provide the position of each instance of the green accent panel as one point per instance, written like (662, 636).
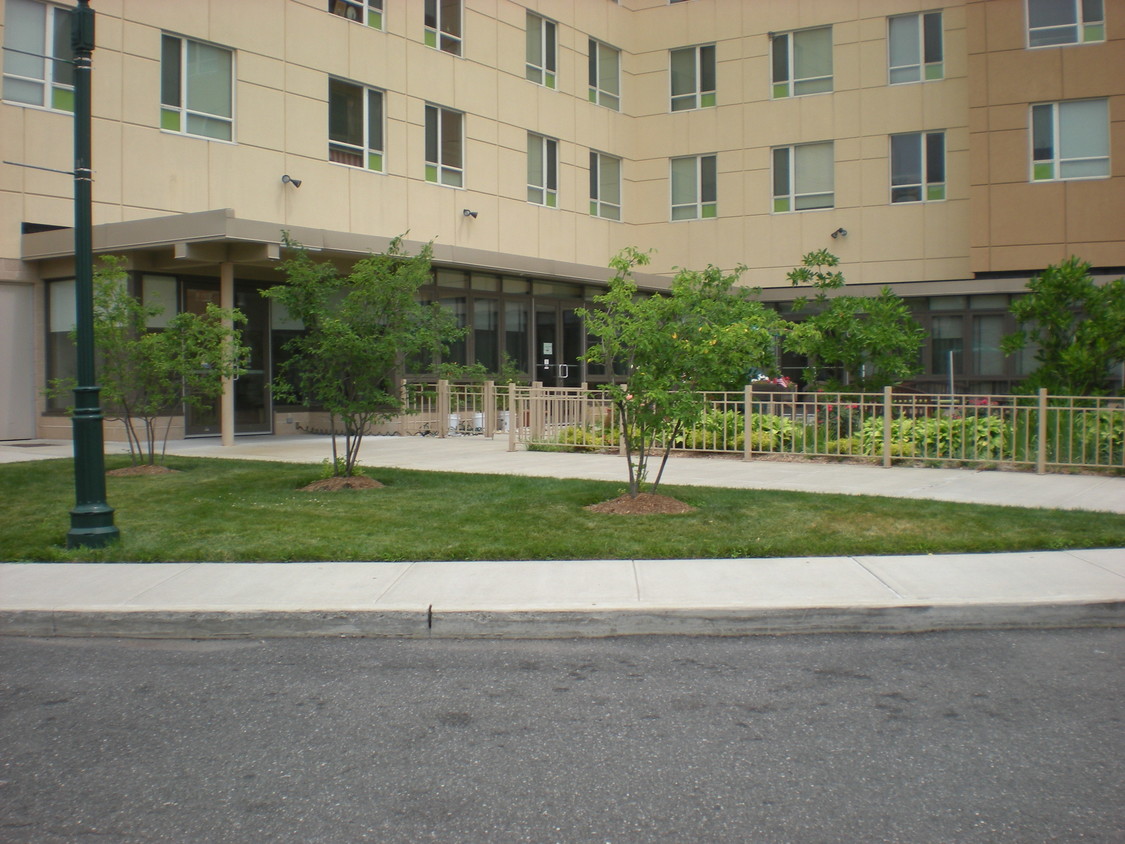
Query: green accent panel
(935, 71)
(1043, 171)
(780, 204)
(550, 81)
(375, 161)
(935, 192)
(781, 90)
(375, 19)
(552, 200)
(593, 95)
(593, 207)
(431, 172)
(1094, 32)
(706, 100)
(431, 38)
(170, 120)
(62, 99)
(710, 210)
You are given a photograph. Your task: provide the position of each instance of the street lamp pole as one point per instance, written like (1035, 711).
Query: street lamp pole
(91, 520)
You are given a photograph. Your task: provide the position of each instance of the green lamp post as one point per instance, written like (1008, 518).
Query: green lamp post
(91, 520)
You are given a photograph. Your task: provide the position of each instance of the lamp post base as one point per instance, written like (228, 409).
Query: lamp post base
(91, 527)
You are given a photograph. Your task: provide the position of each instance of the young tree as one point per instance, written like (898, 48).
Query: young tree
(359, 328)
(1078, 327)
(875, 341)
(705, 334)
(145, 374)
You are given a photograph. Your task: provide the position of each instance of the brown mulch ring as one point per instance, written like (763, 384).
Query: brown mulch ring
(645, 504)
(142, 469)
(338, 483)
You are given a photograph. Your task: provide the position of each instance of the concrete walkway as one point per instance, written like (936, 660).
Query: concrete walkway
(534, 599)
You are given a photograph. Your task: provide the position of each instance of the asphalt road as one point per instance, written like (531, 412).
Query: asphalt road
(958, 737)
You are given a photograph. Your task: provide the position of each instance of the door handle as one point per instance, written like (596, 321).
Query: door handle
(564, 370)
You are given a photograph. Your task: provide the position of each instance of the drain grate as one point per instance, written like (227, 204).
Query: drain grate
(28, 445)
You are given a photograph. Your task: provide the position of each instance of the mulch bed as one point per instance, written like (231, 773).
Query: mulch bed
(143, 469)
(645, 504)
(338, 483)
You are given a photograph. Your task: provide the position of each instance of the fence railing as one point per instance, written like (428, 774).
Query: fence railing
(1046, 433)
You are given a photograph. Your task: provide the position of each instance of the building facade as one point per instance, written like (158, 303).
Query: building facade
(949, 150)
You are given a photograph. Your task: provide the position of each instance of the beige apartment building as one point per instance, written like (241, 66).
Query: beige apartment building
(948, 149)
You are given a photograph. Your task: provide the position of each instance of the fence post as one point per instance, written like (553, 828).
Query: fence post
(443, 407)
(1041, 455)
(748, 395)
(513, 416)
(489, 409)
(887, 410)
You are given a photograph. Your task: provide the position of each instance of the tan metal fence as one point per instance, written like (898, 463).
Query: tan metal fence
(1046, 433)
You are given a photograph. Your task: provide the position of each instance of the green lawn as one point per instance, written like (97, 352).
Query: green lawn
(228, 510)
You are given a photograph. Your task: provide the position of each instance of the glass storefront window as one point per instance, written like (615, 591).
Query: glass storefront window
(456, 305)
(948, 344)
(987, 357)
(486, 333)
(516, 334)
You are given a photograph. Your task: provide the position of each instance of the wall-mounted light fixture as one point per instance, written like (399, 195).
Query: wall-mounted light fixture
(289, 180)
(841, 232)
(467, 213)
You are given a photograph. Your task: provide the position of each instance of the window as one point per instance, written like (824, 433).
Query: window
(693, 77)
(517, 333)
(605, 186)
(947, 346)
(360, 11)
(1054, 22)
(37, 55)
(987, 333)
(1070, 140)
(542, 170)
(355, 125)
(486, 333)
(443, 25)
(540, 50)
(444, 143)
(802, 177)
(914, 48)
(802, 62)
(62, 355)
(693, 187)
(195, 89)
(605, 75)
(918, 167)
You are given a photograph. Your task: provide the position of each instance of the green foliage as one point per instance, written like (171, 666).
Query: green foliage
(358, 329)
(873, 341)
(336, 468)
(705, 334)
(1076, 325)
(146, 374)
(589, 436)
(972, 438)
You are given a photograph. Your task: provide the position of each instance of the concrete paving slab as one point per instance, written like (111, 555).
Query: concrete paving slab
(272, 586)
(61, 586)
(558, 584)
(993, 578)
(792, 582)
(1112, 559)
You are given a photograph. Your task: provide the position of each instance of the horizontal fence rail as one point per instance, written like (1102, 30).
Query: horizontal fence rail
(1042, 432)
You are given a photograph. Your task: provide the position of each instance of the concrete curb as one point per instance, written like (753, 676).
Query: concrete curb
(558, 624)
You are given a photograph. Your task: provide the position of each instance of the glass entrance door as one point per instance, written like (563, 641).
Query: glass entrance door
(252, 409)
(558, 344)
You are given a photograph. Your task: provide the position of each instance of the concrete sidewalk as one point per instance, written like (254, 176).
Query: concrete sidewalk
(537, 599)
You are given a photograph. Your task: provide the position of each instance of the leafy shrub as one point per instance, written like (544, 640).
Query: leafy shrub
(975, 438)
(589, 436)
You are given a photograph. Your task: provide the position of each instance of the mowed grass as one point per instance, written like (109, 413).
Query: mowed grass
(230, 510)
